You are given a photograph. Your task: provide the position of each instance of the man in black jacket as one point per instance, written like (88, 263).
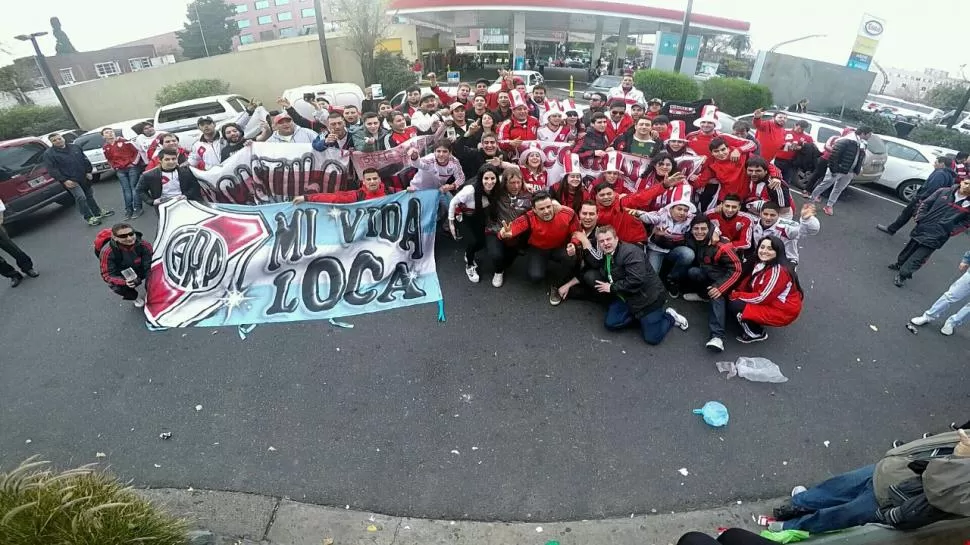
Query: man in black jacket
(715, 270)
(639, 293)
(848, 154)
(472, 158)
(125, 262)
(594, 144)
(942, 215)
(168, 181)
(67, 164)
(942, 176)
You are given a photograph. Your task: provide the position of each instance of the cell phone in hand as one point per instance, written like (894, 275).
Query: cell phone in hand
(450, 132)
(129, 274)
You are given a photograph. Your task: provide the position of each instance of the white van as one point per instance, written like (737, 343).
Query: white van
(181, 118)
(337, 94)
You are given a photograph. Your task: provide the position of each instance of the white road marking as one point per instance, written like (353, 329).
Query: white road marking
(878, 196)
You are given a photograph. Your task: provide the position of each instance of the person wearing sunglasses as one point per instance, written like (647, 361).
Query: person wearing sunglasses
(125, 261)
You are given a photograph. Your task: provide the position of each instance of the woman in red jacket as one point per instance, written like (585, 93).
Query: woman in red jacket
(769, 295)
(534, 174)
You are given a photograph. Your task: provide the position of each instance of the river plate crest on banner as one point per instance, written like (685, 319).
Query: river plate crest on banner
(224, 265)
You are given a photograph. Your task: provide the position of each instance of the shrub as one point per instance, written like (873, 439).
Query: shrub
(393, 73)
(736, 96)
(879, 124)
(666, 85)
(934, 135)
(22, 121)
(78, 506)
(189, 89)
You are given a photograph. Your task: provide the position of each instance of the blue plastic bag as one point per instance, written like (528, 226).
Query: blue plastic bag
(715, 413)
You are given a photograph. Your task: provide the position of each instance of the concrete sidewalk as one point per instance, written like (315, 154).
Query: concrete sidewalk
(247, 518)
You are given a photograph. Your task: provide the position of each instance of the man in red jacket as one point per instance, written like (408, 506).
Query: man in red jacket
(700, 140)
(462, 95)
(732, 175)
(371, 188)
(619, 120)
(521, 126)
(794, 139)
(548, 231)
(735, 226)
(771, 133)
(609, 211)
(122, 155)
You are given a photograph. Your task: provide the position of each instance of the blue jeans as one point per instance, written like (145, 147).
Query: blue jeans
(843, 501)
(84, 197)
(957, 292)
(653, 325)
(700, 281)
(680, 257)
(128, 177)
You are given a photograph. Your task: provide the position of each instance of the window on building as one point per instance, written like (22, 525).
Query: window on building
(287, 32)
(309, 29)
(67, 76)
(267, 35)
(284, 15)
(242, 8)
(242, 23)
(141, 63)
(105, 69)
(261, 4)
(246, 39)
(308, 12)
(282, 2)
(265, 19)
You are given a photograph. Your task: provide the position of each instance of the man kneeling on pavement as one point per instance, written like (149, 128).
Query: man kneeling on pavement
(126, 260)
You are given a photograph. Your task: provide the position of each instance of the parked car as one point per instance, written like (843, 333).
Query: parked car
(92, 143)
(69, 135)
(821, 128)
(398, 99)
(530, 77)
(337, 94)
(603, 84)
(908, 165)
(181, 118)
(25, 185)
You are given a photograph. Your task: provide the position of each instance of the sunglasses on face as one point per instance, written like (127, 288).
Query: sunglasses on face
(125, 235)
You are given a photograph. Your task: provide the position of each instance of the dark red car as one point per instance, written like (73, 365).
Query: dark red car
(25, 185)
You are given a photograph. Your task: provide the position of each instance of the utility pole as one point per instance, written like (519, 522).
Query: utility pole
(683, 37)
(322, 38)
(205, 47)
(46, 70)
(959, 111)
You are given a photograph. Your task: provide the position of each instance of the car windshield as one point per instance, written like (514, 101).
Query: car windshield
(606, 81)
(191, 112)
(20, 159)
(92, 141)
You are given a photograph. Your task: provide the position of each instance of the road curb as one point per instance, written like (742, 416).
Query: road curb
(281, 521)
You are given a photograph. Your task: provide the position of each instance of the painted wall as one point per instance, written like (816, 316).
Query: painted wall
(40, 97)
(262, 72)
(826, 85)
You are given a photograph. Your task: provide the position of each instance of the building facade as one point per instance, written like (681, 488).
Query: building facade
(262, 20)
(71, 68)
(911, 84)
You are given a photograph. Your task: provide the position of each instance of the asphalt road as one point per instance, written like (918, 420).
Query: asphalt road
(553, 417)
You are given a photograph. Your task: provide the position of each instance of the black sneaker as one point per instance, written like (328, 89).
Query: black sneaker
(899, 281)
(748, 339)
(788, 512)
(673, 290)
(884, 229)
(137, 213)
(16, 280)
(894, 267)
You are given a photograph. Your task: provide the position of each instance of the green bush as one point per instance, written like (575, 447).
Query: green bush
(393, 73)
(736, 96)
(22, 121)
(879, 124)
(934, 135)
(79, 506)
(189, 89)
(666, 85)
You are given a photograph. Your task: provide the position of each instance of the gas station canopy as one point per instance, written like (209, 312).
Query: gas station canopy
(562, 16)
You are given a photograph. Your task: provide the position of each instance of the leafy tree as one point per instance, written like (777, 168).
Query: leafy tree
(933, 135)
(20, 121)
(16, 81)
(209, 29)
(740, 43)
(668, 85)
(945, 97)
(393, 73)
(64, 44)
(736, 96)
(366, 25)
(189, 89)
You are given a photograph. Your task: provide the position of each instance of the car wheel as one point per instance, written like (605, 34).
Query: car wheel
(907, 190)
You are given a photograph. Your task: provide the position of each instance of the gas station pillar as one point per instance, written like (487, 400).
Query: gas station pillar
(597, 42)
(621, 40)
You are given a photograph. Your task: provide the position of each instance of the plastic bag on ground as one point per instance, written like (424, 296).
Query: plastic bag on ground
(714, 413)
(753, 369)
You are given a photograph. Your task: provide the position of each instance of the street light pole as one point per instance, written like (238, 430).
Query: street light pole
(810, 36)
(322, 38)
(683, 37)
(201, 30)
(46, 70)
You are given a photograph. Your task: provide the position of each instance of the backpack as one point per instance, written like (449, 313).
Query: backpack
(893, 468)
(101, 240)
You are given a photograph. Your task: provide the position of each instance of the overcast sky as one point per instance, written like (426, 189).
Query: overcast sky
(926, 34)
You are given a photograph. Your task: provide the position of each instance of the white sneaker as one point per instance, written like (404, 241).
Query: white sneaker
(693, 298)
(797, 490)
(947, 328)
(922, 319)
(498, 279)
(139, 302)
(472, 272)
(716, 344)
(679, 320)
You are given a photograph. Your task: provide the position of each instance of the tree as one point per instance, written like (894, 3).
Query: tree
(366, 25)
(16, 81)
(64, 44)
(740, 43)
(945, 97)
(209, 29)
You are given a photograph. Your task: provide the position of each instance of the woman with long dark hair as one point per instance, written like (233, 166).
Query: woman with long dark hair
(474, 206)
(512, 200)
(662, 167)
(769, 293)
(570, 191)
